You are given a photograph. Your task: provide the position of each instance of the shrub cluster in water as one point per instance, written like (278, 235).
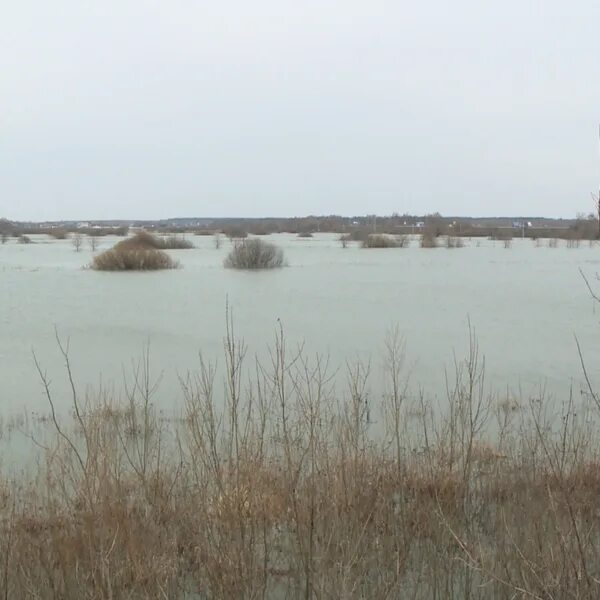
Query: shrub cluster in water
(142, 252)
(385, 241)
(254, 254)
(171, 242)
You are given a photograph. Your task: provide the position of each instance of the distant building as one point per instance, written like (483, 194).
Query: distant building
(521, 224)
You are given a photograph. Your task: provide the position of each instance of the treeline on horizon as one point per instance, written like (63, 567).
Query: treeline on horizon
(582, 227)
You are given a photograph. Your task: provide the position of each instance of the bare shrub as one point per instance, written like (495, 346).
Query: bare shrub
(345, 240)
(131, 258)
(77, 241)
(428, 239)
(254, 254)
(553, 243)
(454, 242)
(4, 236)
(379, 240)
(138, 253)
(217, 240)
(119, 231)
(235, 233)
(305, 234)
(507, 243)
(24, 239)
(93, 243)
(144, 239)
(176, 242)
(58, 233)
(275, 485)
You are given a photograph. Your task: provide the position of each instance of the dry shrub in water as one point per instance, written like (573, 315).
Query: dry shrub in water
(454, 242)
(24, 239)
(134, 254)
(58, 233)
(131, 258)
(148, 240)
(277, 486)
(428, 240)
(235, 233)
(380, 240)
(254, 254)
(175, 242)
(305, 234)
(77, 241)
(345, 239)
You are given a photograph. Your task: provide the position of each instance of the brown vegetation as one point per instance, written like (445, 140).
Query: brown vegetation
(235, 233)
(254, 254)
(138, 253)
(77, 241)
(58, 233)
(428, 239)
(380, 240)
(280, 488)
(454, 242)
(151, 241)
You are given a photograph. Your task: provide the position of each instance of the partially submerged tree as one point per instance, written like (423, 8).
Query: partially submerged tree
(77, 241)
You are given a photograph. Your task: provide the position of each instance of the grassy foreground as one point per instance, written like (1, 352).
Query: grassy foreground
(284, 487)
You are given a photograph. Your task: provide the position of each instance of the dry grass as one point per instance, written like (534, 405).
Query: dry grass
(277, 486)
(254, 254)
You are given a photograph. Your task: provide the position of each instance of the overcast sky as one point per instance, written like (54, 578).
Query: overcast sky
(137, 108)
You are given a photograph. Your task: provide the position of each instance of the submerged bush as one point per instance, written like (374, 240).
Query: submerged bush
(454, 242)
(24, 239)
(132, 258)
(143, 239)
(235, 233)
(380, 240)
(254, 254)
(305, 234)
(139, 253)
(58, 233)
(175, 242)
(428, 240)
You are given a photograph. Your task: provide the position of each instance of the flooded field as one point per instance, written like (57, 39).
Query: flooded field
(269, 483)
(525, 303)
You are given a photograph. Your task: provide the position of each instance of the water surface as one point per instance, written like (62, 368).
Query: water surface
(526, 305)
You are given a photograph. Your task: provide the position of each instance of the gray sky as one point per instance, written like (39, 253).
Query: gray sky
(139, 108)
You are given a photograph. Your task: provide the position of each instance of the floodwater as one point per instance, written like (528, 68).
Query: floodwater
(526, 304)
